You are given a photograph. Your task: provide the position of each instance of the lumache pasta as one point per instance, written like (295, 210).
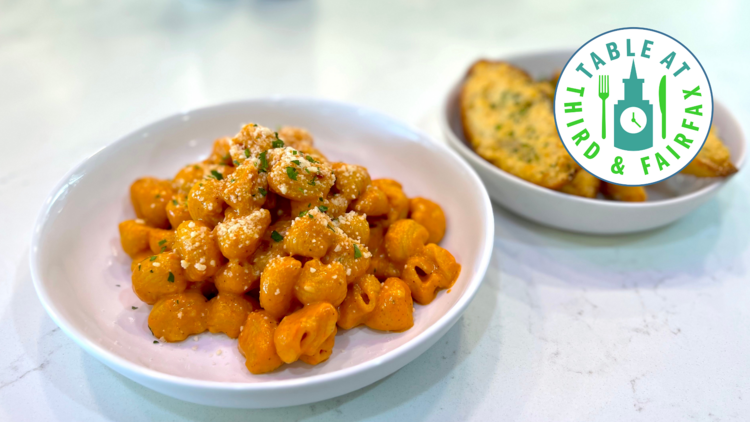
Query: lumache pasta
(269, 242)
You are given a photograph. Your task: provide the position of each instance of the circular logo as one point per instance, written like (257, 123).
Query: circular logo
(633, 106)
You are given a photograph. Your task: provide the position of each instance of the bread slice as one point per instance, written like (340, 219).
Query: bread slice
(507, 118)
(712, 160)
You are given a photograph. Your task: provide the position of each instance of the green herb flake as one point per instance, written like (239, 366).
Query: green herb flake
(307, 171)
(331, 227)
(163, 241)
(263, 162)
(171, 277)
(133, 307)
(291, 172)
(294, 152)
(236, 163)
(163, 249)
(278, 143)
(196, 167)
(158, 195)
(156, 342)
(322, 208)
(310, 159)
(302, 214)
(153, 258)
(262, 191)
(295, 162)
(312, 183)
(174, 202)
(217, 175)
(247, 153)
(311, 216)
(357, 252)
(276, 236)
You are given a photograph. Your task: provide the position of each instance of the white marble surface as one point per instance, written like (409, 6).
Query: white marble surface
(566, 327)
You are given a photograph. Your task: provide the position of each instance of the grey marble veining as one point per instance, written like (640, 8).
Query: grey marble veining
(646, 327)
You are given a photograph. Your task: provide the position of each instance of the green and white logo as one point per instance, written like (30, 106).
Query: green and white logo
(633, 106)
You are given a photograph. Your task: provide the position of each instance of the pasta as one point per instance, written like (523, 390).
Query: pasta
(270, 243)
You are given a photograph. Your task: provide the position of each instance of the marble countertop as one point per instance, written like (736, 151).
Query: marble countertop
(566, 327)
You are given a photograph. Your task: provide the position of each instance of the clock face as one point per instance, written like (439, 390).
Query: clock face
(633, 120)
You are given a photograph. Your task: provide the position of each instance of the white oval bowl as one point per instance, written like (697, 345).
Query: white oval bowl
(77, 260)
(668, 201)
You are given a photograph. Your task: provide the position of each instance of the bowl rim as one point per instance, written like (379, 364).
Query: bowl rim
(455, 140)
(114, 361)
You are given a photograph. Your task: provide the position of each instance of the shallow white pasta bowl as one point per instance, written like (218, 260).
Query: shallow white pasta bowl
(82, 276)
(668, 201)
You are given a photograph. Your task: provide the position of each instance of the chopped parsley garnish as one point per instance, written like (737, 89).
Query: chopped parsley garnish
(278, 143)
(307, 171)
(310, 159)
(134, 307)
(357, 252)
(171, 277)
(291, 172)
(263, 162)
(153, 258)
(156, 342)
(217, 175)
(320, 199)
(294, 152)
(311, 182)
(276, 236)
(295, 162)
(158, 195)
(311, 216)
(225, 157)
(255, 125)
(247, 153)
(163, 249)
(322, 208)
(197, 167)
(302, 214)
(262, 191)
(174, 202)
(236, 163)
(331, 227)
(163, 241)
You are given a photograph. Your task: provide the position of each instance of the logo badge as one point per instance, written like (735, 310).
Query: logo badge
(633, 106)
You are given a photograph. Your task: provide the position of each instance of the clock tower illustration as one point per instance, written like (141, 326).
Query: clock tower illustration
(633, 116)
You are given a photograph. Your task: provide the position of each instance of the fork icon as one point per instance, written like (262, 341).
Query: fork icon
(604, 94)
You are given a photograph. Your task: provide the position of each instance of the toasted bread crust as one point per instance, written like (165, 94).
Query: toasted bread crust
(712, 160)
(507, 117)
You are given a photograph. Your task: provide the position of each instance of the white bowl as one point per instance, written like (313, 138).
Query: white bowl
(668, 201)
(77, 261)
